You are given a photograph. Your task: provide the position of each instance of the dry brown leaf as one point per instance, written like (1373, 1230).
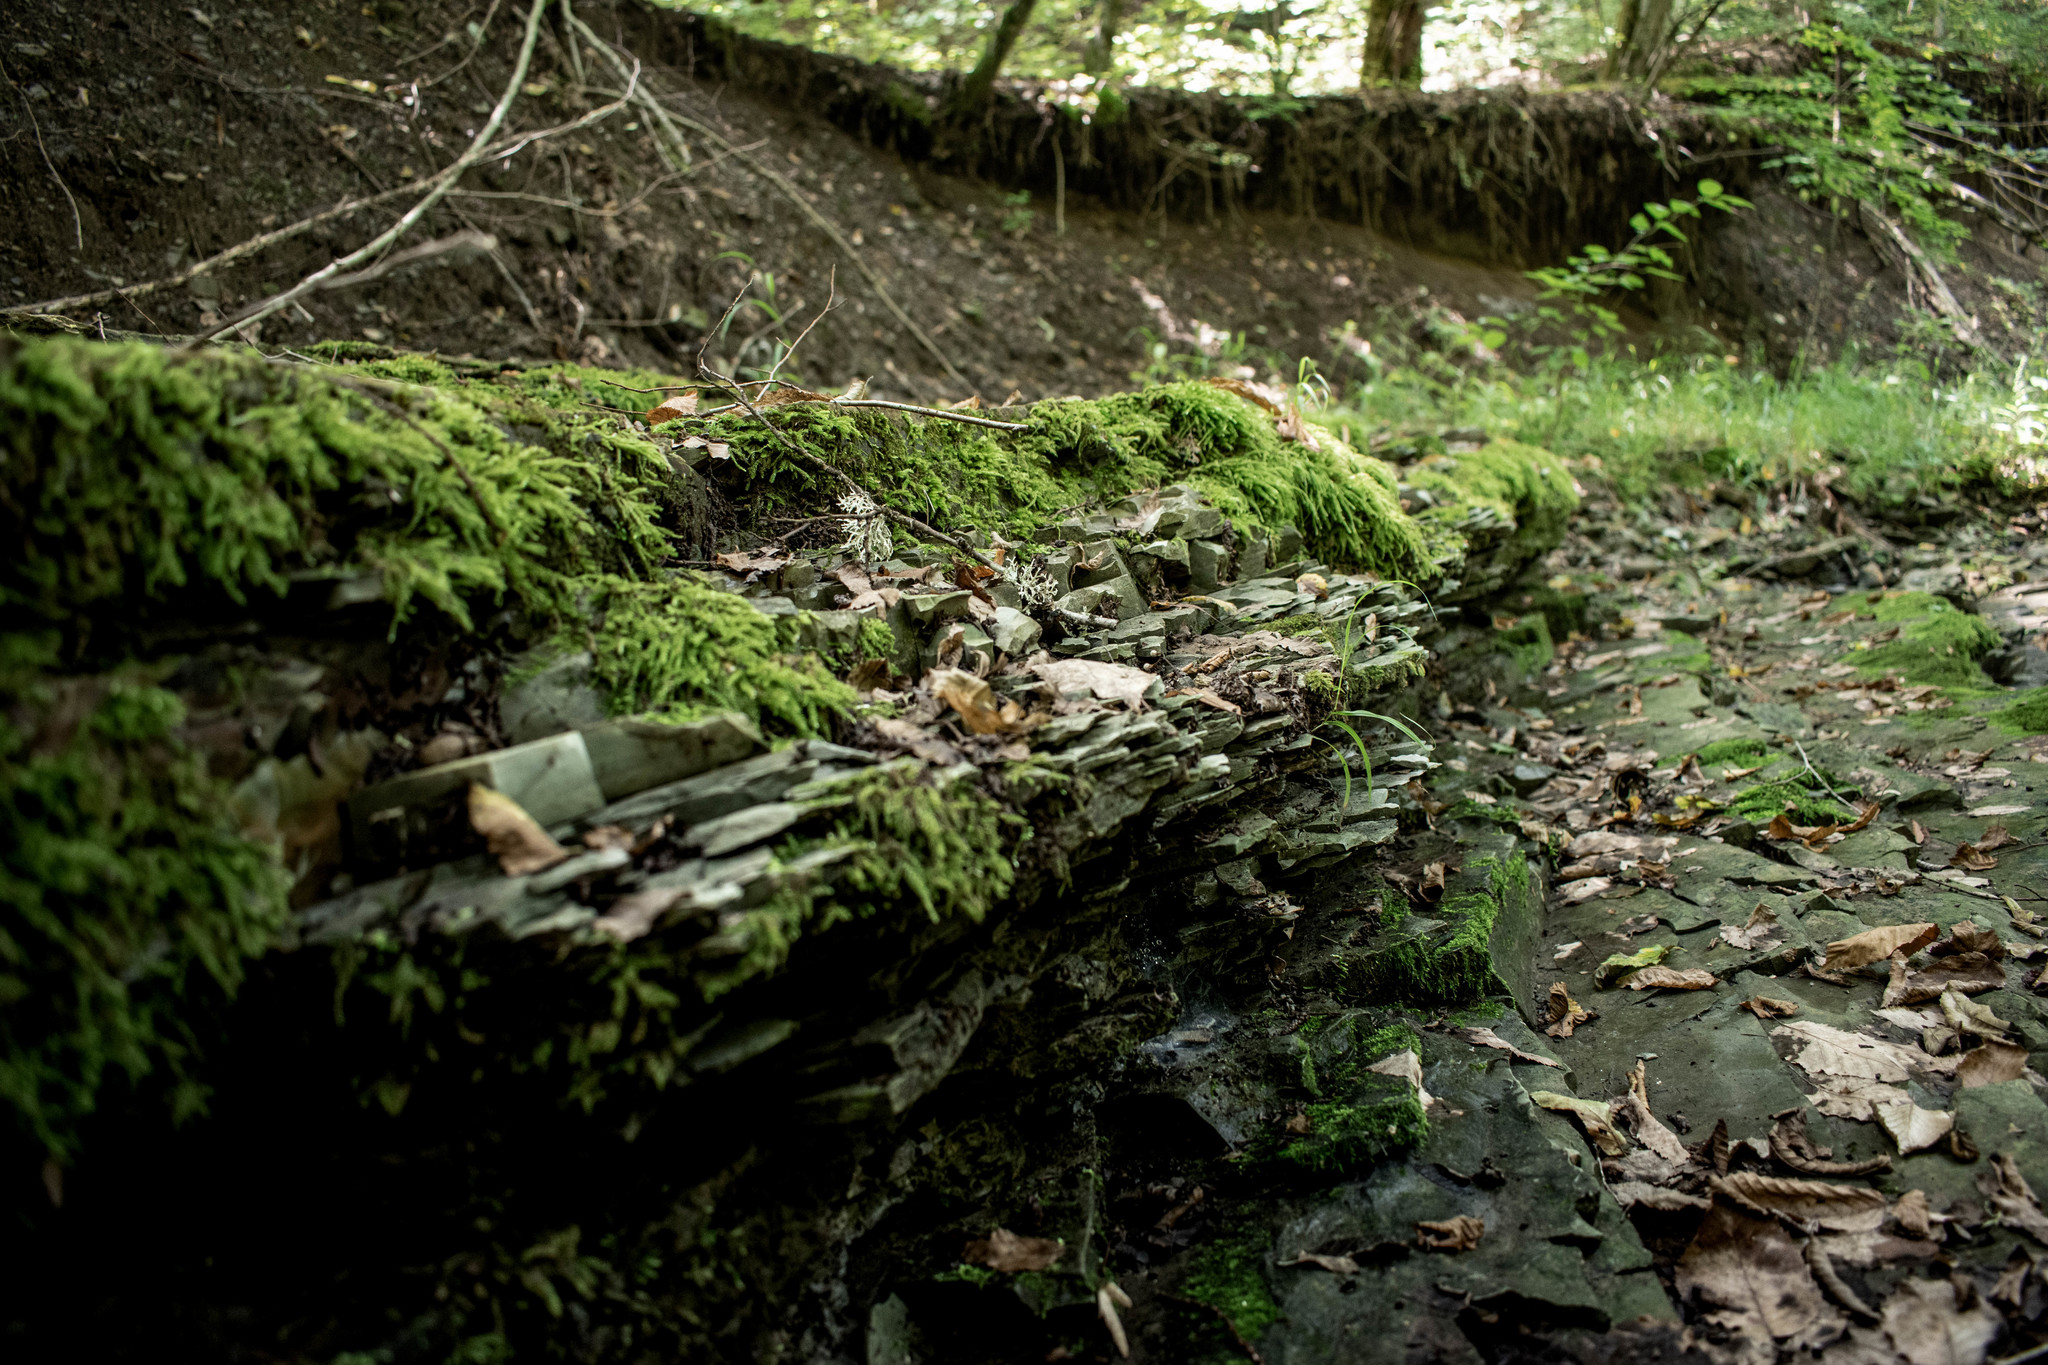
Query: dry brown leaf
(1110, 682)
(1486, 1037)
(1670, 978)
(1913, 1128)
(1336, 1265)
(1824, 1051)
(976, 703)
(1970, 858)
(1650, 1131)
(1595, 1116)
(1965, 1015)
(521, 845)
(1998, 836)
(1793, 1146)
(1854, 1097)
(1875, 945)
(1757, 933)
(1968, 936)
(1969, 973)
(1991, 1064)
(1566, 1014)
(1749, 1278)
(1928, 1325)
(675, 405)
(1208, 698)
(1004, 1250)
(750, 562)
(2012, 1198)
(1431, 888)
(1836, 1208)
(1914, 1215)
(1764, 1007)
(608, 836)
(1459, 1233)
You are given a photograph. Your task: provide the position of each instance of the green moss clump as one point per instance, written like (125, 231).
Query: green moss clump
(678, 649)
(1762, 802)
(876, 640)
(128, 902)
(1525, 486)
(2027, 713)
(1356, 1116)
(1528, 644)
(1229, 1274)
(1739, 750)
(1937, 645)
(916, 838)
(134, 474)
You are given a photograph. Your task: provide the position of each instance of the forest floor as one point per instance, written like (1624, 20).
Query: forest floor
(1761, 1078)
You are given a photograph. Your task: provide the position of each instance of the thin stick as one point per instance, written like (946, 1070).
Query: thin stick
(818, 220)
(946, 413)
(467, 240)
(268, 239)
(442, 184)
(482, 31)
(77, 223)
(1817, 773)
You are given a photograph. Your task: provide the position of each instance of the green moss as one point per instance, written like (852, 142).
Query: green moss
(1528, 644)
(1524, 486)
(1937, 645)
(1228, 1273)
(2026, 713)
(1298, 625)
(1745, 751)
(876, 640)
(1765, 800)
(130, 902)
(679, 649)
(919, 841)
(135, 475)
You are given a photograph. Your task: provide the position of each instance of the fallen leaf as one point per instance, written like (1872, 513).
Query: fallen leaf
(1928, 1324)
(521, 845)
(1793, 1146)
(1632, 1192)
(1750, 1279)
(750, 563)
(1595, 1116)
(1764, 1007)
(1299, 1124)
(1459, 1233)
(1208, 698)
(1757, 933)
(1431, 888)
(1999, 810)
(1913, 1128)
(2011, 1198)
(1991, 1064)
(902, 734)
(1965, 1015)
(1315, 585)
(1854, 1097)
(1824, 1051)
(2011, 1290)
(1649, 1130)
(1670, 978)
(674, 406)
(1004, 1250)
(1620, 964)
(1408, 1067)
(1578, 891)
(1110, 682)
(1972, 859)
(976, 703)
(1565, 1013)
(1875, 945)
(1913, 1214)
(1565, 950)
(1968, 936)
(1486, 1037)
(1970, 973)
(1820, 1203)
(1336, 1265)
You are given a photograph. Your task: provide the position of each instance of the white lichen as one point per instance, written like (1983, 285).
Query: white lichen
(865, 530)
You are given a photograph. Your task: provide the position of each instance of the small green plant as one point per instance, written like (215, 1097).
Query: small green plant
(1018, 214)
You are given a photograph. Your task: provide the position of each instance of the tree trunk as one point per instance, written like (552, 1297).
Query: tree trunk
(1393, 44)
(975, 90)
(1640, 37)
(1099, 58)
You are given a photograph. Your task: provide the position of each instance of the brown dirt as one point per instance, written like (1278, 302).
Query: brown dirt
(178, 137)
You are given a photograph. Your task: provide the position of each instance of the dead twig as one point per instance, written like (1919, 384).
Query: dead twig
(831, 301)
(467, 240)
(444, 182)
(77, 223)
(947, 413)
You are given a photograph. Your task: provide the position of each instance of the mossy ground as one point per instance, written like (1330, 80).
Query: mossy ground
(1937, 644)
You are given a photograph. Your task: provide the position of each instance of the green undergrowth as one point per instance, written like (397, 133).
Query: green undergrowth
(1520, 484)
(1804, 805)
(1742, 750)
(131, 902)
(677, 649)
(1938, 645)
